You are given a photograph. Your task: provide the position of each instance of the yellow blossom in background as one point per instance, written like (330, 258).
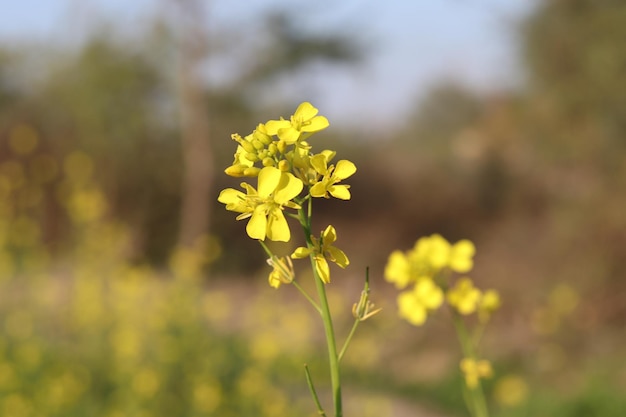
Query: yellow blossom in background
(323, 250)
(265, 206)
(398, 270)
(464, 297)
(510, 391)
(461, 254)
(489, 302)
(414, 305)
(474, 370)
(303, 121)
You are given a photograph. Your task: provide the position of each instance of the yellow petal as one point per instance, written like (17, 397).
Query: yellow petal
(273, 126)
(289, 135)
(231, 196)
(318, 190)
(338, 256)
(269, 177)
(321, 266)
(319, 163)
(305, 111)
(277, 227)
(289, 187)
(344, 169)
(300, 253)
(329, 235)
(257, 225)
(340, 191)
(315, 124)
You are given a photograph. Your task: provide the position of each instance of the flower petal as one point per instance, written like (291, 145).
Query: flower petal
(340, 191)
(301, 252)
(289, 135)
(277, 227)
(338, 256)
(305, 111)
(273, 126)
(344, 169)
(231, 196)
(269, 177)
(257, 225)
(329, 235)
(321, 266)
(318, 189)
(315, 124)
(288, 188)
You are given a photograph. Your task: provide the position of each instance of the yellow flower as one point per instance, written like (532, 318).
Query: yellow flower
(304, 120)
(461, 254)
(464, 297)
(264, 207)
(331, 176)
(282, 273)
(414, 305)
(322, 251)
(489, 302)
(475, 370)
(398, 269)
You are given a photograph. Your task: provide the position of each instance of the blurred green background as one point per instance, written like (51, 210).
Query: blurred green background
(126, 289)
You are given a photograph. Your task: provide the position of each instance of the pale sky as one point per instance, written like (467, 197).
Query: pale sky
(415, 43)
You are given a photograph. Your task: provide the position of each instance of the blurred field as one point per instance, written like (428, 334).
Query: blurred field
(115, 301)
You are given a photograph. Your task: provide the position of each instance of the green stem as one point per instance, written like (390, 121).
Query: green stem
(333, 358)
(476, 402)
(348, 339)
(309, 381)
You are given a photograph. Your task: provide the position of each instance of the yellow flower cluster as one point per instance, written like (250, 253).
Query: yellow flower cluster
(277, 154)
(425, 268)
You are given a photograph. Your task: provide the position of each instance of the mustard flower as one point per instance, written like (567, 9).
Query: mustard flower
(331, 175)
(464, 297)
(414, 305)
(323, 251)
(282, 273)
(474, 370)
(265, 207)
(303, 121)
(461, 254)
(489, 302)
(398, 269)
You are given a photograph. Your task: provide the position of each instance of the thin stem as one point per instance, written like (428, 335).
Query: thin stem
(477, 405)
(309, 381)
(307, 296)
(349, 338)
(335, 379)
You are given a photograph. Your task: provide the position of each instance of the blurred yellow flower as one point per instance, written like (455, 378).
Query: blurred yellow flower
(474, 370)
(511, 390)
(464, 297)
(398, 270)
(489, 302)
(414, 305)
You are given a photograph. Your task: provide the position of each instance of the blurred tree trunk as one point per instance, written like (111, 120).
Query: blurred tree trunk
(196, 148)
